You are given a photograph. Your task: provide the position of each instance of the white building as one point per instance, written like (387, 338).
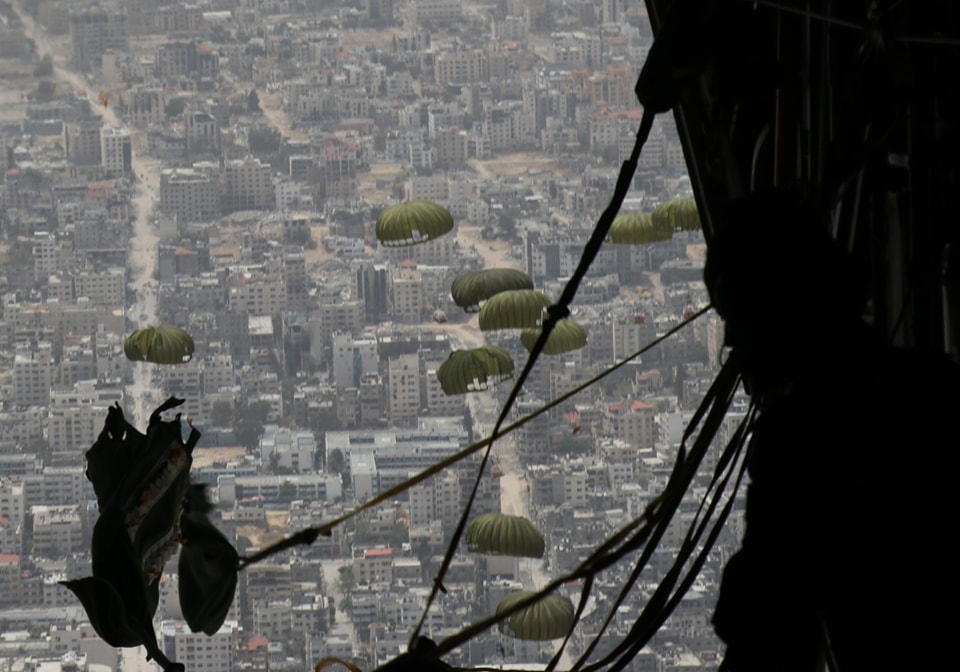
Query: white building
(291, 449)
(115, 150)
(197, 651)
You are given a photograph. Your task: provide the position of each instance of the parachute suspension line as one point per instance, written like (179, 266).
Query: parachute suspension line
(650, 525)
(555, 313)
(662, 603)
(711, 412)
(391, 493)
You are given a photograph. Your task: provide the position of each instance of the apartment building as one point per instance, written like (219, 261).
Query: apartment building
(116, 155)
(96, 30)
(189, 195)
(248, 185)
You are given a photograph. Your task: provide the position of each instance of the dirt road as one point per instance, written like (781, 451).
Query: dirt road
(142, 254)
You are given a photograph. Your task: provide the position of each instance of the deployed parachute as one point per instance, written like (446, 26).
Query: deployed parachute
(514, 309)
(550, 618)
(502, 534)
(637, 228)
(566, 335)
(412, 222)
(471, 288)
(680, 214)
(474, 370)
(164, 344)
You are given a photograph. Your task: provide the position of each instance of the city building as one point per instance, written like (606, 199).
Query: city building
(115, 150)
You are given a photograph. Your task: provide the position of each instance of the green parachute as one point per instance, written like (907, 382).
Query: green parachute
(474, 370)
(412, 222)
(163, 344)
(514, 309)
(470, 289)
(502, 534)
(567, 335)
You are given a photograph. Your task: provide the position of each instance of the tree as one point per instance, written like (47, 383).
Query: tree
(336, 464)
(258, 411)
(253, 101)
(46, 90)
(346, 580)
(19, 255)
(222, 414)
(174, 107)
(44, 68)
(287, 491)
(248, 433)
(263, 140)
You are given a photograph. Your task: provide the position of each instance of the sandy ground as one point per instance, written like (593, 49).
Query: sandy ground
(205, 457)
(271, 104)
(517, 163)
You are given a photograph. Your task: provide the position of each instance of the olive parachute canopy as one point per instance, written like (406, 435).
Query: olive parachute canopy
(470, 289)
(514, 309)
(474, 370)
(412, 222)
(550, 618)
(502, 534)
(164, 344)
(638, 228)
(679, 214)
(567, 335)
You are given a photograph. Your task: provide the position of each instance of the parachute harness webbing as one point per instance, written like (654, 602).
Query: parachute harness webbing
(555, 313)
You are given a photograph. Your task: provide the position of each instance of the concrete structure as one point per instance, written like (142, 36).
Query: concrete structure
(81, 142)
(95, 31)
(248, 185)
(296, 450)
(115, 150)
(57, 530)
(190, 195)
(197, 651)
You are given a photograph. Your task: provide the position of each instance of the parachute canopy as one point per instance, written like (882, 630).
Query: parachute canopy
(638, 228)
(550, 618)
(502, 534)
(566, 335)
(164, 344)
(513, 309)
(412, 222)
(679, 214)
(474, 370)
(471, 288)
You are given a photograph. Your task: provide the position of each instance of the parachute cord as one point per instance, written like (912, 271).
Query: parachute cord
(391, 493)
(304, 537)
(554, 314)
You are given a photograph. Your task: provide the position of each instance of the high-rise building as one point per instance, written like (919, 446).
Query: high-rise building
(81, 141)
(190, 195)
(198, 651)
(115, 150)
(96, 30)
(248, 185)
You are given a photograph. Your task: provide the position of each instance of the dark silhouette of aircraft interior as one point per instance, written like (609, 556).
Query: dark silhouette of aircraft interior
(823, 148)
